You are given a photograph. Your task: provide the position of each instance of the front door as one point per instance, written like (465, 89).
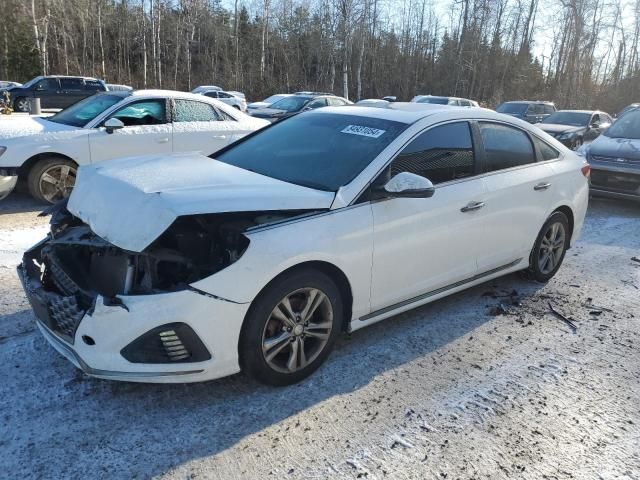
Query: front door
(199, 127)
(425, 244)
(49, 93)
(146, 131)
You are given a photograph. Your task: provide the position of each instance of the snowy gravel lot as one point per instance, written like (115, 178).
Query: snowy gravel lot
(484, 384)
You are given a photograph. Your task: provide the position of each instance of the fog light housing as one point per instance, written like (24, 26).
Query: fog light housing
(170, 343)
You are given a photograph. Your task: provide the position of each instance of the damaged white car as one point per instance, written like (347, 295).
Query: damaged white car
(165, 269)
(46, 151)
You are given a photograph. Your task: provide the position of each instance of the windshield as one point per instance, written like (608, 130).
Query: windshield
(291, 104)
(512, 108)
(435, 100)
(81, 113)
(575, 119)
(627, 126)
(317, 150)
(274, 98)
(33, 81)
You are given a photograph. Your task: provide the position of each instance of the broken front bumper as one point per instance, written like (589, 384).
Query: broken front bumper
(7, 184)
(93, 338)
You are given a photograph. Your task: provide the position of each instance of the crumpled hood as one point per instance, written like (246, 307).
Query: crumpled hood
(28, 125)
(131, 201)
(558, 128)
(615, 147)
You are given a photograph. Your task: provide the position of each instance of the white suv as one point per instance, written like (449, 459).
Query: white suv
(47, 151)
(233, 99)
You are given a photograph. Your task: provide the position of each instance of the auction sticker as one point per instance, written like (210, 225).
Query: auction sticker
(361, 130)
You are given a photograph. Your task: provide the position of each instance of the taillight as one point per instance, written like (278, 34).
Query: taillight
(586, 170)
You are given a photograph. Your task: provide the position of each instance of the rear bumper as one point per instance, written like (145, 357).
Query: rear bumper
(112, 327)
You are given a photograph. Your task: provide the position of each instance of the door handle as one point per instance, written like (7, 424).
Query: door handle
(471, 206)
(542, 186)
(163, 140)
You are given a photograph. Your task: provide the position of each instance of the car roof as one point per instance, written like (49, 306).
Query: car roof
(530, 101)
(406, 112)
(581, 111)
(69, 76)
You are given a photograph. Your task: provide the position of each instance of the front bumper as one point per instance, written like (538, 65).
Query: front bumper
(615, 181)
(112, 327)
(7, 184)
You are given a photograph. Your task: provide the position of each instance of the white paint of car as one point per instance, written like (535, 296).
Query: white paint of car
(267, 102)
(229, 98)
(390, 251)
(30, 136)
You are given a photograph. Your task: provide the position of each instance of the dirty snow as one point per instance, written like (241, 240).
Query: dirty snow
(441, 392)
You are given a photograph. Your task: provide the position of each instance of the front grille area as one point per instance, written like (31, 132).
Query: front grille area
(616, 182)
(618, 160)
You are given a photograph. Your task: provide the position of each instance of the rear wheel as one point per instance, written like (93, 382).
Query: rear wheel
(291, 328)
(52, 179)
(550, 248)
(21, 104)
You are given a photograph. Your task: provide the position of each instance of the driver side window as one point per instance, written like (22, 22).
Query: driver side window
(441, 154)
(320, 102)
(143, 112)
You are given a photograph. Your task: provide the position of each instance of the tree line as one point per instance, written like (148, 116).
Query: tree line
(478, 49)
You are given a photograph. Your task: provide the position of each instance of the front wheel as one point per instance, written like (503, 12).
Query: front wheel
(550, 248)
(291, 328)
(21, 104)
(52, 179)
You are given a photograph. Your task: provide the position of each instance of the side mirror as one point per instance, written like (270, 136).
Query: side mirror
(113, 124)
(407, 185)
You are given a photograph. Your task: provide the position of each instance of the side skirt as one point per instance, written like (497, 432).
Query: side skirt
(439, 292)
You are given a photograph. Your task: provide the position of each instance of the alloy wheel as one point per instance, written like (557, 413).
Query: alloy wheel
(23, 105)
(297, 330)
(56, 182)
(551, 247)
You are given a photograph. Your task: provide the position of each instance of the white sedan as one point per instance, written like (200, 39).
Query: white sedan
(164, 269)
(46, 151)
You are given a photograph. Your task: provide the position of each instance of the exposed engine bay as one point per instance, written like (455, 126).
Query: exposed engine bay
(192, 248)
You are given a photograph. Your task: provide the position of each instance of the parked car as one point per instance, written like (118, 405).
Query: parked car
(114, 87)
(179, 271)
(297, 103)
(228, 98)
(529, 111)
(54, 91)
(6, 84)
(575, 127)
(628, 108)
(451, 101)
(237, 94)
(204, 88)
(615, 158)
(373, 102)
(46, 152)
(267, 102)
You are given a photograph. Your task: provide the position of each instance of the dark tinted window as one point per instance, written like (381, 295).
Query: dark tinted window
(548, 109)
(190, 111)
(514, 108)
(317, 103)
(505, 147)
(47, 84)
(95, 85)
(72, 83)
(440, 154)
(318, 150)
(547, 152)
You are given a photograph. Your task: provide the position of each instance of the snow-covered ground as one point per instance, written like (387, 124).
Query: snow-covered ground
(452, 390)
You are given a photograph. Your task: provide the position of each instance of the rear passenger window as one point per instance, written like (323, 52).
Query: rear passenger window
(190, 111)
(440, 154)
(548, 109)
(505, 147)
(547, 152)
(71, 83)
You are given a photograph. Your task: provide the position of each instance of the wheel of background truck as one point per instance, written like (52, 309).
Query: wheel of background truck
(291, 328)
(21, 104)
(550, 247)
(52, 179)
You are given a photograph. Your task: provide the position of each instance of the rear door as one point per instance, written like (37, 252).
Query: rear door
(199, 127)
(519, 192)
(147, 130)
(425, 244)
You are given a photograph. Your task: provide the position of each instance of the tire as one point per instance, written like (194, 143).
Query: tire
(543, 265)
(21, 104)
(47, 180)
(269, 343)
